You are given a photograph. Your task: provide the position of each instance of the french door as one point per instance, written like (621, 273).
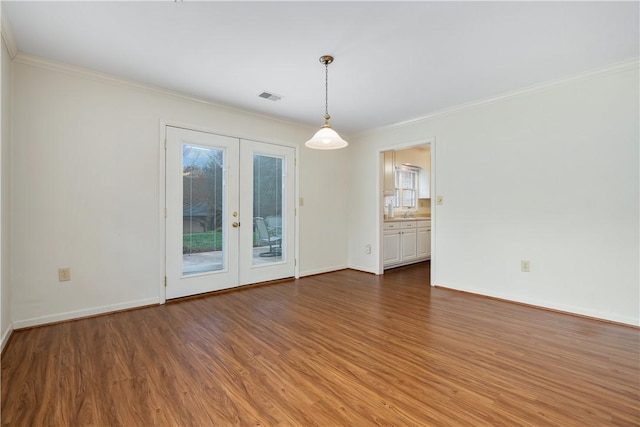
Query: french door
(230, 212)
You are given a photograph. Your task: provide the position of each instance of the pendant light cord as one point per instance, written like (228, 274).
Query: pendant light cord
(326, 89)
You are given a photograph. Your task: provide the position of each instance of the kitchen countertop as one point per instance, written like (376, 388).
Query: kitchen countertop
(401, 219)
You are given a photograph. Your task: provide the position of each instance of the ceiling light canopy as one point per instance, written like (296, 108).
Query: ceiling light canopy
(326, 138)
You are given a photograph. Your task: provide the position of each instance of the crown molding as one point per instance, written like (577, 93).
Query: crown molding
(7, 37)
(95, 75)
(597, 72)
(36, 61)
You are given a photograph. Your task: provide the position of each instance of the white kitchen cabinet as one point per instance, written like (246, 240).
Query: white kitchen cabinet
(391, 245)
(424, 243)
(404, 242)
(408, 243)
(424, 190)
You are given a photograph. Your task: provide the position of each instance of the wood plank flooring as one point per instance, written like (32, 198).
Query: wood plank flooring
(339, 349)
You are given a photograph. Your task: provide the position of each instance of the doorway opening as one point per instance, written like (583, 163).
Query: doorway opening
(407, 221)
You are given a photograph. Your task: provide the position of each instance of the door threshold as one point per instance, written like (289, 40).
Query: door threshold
(229, 290)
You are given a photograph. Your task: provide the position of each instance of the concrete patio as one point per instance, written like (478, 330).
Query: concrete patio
(203, 262)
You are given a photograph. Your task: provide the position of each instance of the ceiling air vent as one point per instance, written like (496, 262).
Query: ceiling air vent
(270, 96)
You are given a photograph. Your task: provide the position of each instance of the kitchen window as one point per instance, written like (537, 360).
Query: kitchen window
(406, 187)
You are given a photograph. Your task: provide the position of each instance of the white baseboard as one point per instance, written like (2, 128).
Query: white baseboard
(70, 315)
(364, 269)
(6, 336)
(322, 270)
(563, 308)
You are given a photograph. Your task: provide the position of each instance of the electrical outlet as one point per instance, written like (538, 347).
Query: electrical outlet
(439, 200)
(64, 274)
(525, 266)
(367, 248)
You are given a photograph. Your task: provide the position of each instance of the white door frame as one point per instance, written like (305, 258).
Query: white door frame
(432, 188)
(162, 132)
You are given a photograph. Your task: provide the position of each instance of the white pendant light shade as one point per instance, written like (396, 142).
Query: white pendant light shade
(326, 139)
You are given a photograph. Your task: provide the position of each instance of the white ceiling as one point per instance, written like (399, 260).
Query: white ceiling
(394, 61)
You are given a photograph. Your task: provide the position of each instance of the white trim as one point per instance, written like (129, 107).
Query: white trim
(35, 61)
(323, 270)
(434, 219)
(7, 37)
(364, 269)
(607, 70)
(162, 220)
(379, 269)
(6, 336)
(70, 315)
(227, 133)
(296, 225)
(569, 309)
(407, 144)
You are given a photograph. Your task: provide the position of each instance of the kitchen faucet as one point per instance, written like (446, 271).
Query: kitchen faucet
(408, 214)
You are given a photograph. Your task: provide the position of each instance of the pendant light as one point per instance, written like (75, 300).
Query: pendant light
(326, 138)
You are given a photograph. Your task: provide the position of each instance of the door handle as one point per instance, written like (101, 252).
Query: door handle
(236, 224)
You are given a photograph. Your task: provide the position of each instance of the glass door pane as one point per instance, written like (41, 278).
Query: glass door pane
(267, 209)
(202, 196)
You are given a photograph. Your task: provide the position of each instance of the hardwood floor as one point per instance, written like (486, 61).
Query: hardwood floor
(345, 348)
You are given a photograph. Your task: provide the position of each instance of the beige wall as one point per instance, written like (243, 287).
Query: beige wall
(86, 186)
(5, 198)
(548, 175)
